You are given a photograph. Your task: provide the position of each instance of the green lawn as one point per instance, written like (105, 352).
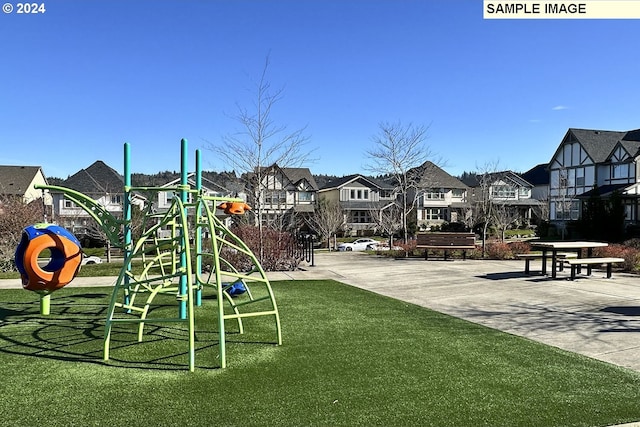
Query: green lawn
(349, 358)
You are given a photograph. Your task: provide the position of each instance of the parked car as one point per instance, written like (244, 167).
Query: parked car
(90, 260)
(358, 245)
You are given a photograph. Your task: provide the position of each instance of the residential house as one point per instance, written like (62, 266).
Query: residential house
(361, 199)
(19, 181)
(588, 161)
(209, 188)
(511, 197)
(102, 184)
(282, 195)
(439, 197)
(538, 176)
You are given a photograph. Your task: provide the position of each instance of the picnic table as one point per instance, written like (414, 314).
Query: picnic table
(577, 246)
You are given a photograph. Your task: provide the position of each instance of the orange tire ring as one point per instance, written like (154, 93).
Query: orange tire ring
(66, 257)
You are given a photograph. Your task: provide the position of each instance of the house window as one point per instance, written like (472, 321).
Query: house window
(275, 198)
(567, 210)
(116, 199)
(432, 194)
(503, 191)
(457, 193)
(360, 217)
(620, 171)
(359, 194)
(305, 196)
(68, 203)
(433, 214)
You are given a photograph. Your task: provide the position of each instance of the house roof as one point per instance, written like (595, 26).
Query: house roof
(296, 175)
(537, 175)
(474, 180)
(207, 184)
(96, 179)
(432, 176)
(599, 143)
(16, 180)
(340, 182)
(604, 190)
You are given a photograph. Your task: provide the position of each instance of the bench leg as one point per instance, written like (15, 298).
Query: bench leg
(573, 272)
(426, 254)
(608, 270)
(526, 266)
(445, 254)
(464, 255)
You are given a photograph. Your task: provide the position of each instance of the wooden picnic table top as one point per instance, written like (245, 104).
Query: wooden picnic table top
(569, 245)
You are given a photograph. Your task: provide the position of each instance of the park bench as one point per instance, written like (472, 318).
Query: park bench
(531, 256)
(445, 242)
(579, 262)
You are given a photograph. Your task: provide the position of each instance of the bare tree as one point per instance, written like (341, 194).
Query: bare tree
(261, 142)
(397, 149)
(388, 219)
(481, 199)
(327, 220)
(15, 215)
(503, 216)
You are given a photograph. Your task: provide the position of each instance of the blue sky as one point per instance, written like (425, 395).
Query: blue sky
(86, 76)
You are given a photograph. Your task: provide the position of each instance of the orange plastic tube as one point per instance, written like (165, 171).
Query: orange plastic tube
(66, 257)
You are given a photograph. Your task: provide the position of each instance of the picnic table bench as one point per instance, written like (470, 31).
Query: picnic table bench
(445, 242)
(561, 256)
(576, 263)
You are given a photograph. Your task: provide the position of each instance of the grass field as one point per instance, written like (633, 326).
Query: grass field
(349, 358)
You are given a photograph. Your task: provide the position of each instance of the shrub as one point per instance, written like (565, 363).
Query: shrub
(498, 250)
(519, 248)
(278, 252)
(630, 254)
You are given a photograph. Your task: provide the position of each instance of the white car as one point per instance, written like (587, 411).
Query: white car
(358, 245)
(90, 260)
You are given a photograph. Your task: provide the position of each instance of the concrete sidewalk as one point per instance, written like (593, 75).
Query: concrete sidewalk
(593, 316)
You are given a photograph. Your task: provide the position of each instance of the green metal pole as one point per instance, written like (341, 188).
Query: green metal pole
(183, 256)
(126, 207)
(198, 237)
(45, 304)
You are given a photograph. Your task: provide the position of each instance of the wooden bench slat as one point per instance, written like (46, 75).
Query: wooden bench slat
(446, 242)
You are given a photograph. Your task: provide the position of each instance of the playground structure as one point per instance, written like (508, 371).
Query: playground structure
(171, 257)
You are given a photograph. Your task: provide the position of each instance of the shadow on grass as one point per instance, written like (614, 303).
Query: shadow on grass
(74, 332)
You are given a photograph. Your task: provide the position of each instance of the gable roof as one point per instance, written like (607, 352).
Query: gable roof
(432, 176)
(340, 182)
(96, 179)
(295, 175)
(537, 175)
(599, 144)
(17, 180)
(474, 180)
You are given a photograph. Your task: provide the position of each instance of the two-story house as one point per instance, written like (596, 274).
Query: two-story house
(594, 160)
(102, 184)
(19, 181)
(439, 196)
(510, 195)
(361, 198)
(281, 195)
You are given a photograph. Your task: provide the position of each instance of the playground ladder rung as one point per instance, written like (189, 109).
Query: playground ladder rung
(129, 307)
(240, 304)
(148, 320)
(250, 314)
